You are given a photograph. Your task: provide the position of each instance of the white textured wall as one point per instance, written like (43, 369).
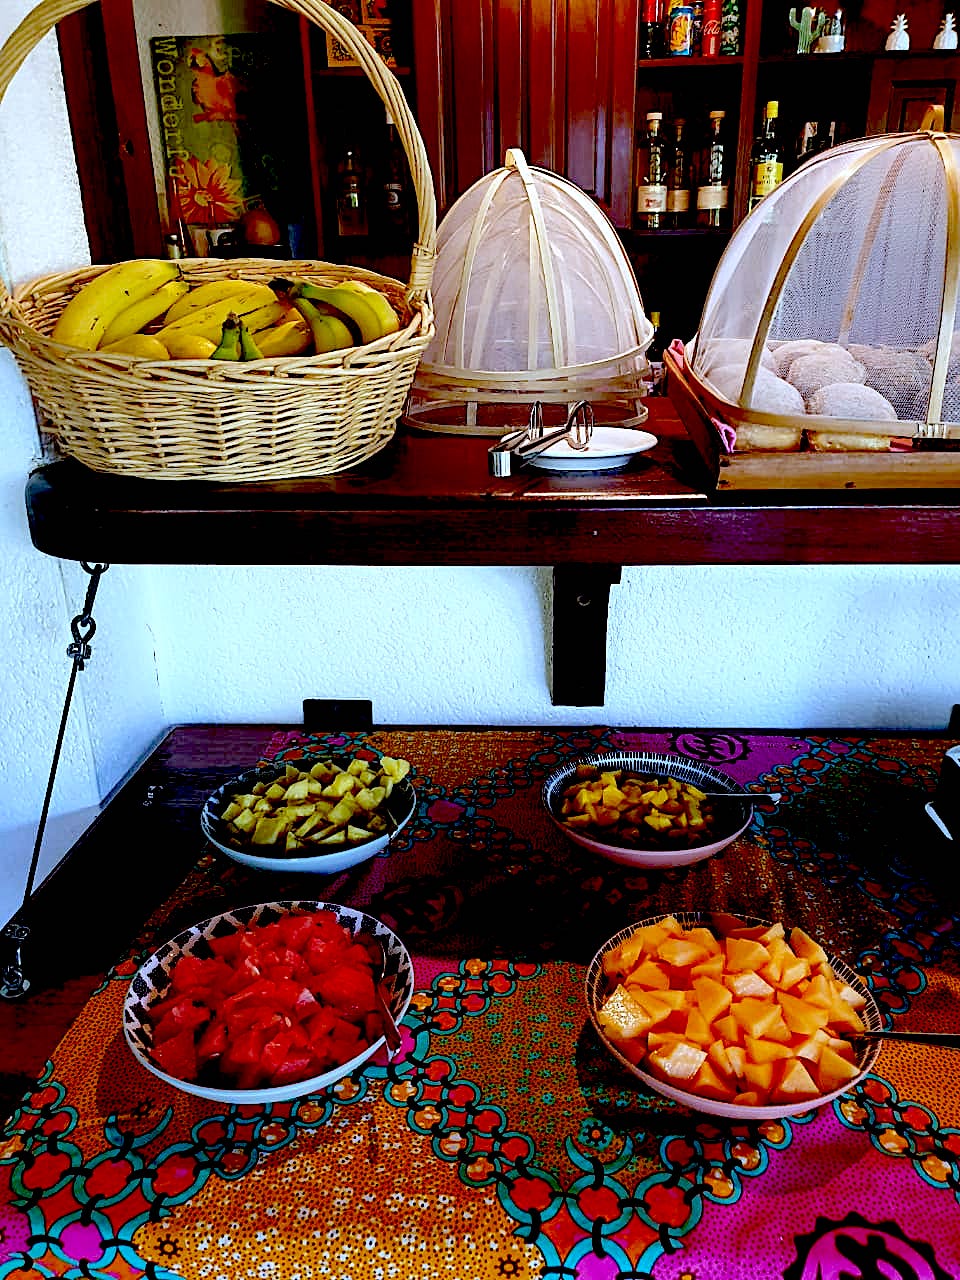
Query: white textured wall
(839, 646)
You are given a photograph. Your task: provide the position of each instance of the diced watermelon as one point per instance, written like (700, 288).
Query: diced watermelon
(177, 1056)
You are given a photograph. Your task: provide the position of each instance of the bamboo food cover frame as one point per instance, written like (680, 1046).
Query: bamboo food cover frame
(856, 156)
(271, 419)
(442, 391)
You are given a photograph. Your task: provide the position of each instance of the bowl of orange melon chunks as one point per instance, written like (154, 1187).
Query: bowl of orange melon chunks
(731, 1015)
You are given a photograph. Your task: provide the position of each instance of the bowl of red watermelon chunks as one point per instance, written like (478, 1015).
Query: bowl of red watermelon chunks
(268, 1002)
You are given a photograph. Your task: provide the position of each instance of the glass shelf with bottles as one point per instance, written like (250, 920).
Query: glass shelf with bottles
(684, 174)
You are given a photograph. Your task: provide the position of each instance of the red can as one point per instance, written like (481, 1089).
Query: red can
(710, 41)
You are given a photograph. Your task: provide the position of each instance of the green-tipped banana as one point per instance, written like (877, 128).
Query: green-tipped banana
(291, 338)
(248, 347)
(85, 318)
(139, 314)
(351, 306)
(229, 348)
(205, 295)
(329, 333)
(208, 321)
(389, 320)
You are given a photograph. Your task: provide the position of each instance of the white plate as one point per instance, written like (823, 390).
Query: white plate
(152, 979)
(731, 822)
(609, 448)
(595, 987)
(401, 806)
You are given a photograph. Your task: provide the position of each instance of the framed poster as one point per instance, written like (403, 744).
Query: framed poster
(231, 129)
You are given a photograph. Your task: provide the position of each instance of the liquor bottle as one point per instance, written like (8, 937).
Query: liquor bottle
(351, 198)
(651, 29)
(678, 179)
(395, 199)
(766, 158)
(730, 27)
(713, 191)
(654, 380)
(651, 200)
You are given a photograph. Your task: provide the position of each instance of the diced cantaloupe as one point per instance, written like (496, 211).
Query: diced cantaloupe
(741, 1015)
(728, 1029)
(748, 983)
(803, 945)
(758, 1075)
(698, 1029)
(681, 952)
(713, 998)
(708, 1084)
(680, 1061)
(794, 1084)
(755, 1016)
(800, 1016)
(622, 1017)
(649, 974)
(833, 1072)
(656, 1009)
(760, 1050)
(712, 967)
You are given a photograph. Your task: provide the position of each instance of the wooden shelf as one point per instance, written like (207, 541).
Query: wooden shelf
(688, 61)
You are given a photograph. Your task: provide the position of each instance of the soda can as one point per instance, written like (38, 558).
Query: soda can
(710, 35)
(680, 31)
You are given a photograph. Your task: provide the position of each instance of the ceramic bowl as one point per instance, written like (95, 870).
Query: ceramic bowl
(400, 807)
(597, 987)
(732, 817)
(152, 979)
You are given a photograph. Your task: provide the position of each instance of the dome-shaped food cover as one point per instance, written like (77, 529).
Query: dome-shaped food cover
(832, 312)
(535, 300)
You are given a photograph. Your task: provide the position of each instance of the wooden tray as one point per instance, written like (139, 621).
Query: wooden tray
(866, 469)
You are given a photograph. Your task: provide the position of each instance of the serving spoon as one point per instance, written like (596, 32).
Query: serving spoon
(391, 1032)
(945, 1039)
(773, 796)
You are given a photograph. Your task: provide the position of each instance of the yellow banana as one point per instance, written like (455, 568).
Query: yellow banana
(229, 348)
(205, 295)
(290, 338)
(208, 321)
(144, 345)
(389, 320)
(351, 304)
(329, 333)
(133, 318)
(85, 318)
(189, 346)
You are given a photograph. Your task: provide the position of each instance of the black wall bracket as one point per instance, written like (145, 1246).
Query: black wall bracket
(581, 596)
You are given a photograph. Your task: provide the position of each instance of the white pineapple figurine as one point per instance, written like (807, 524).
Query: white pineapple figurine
(899, 37)
(946, 37)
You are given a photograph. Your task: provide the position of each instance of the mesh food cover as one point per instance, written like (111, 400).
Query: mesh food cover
(833, 309)
(535, 299)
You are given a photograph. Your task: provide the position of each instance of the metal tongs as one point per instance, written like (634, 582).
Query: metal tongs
(516, 448)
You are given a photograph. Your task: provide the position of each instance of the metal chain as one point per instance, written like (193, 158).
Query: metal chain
(13, 981)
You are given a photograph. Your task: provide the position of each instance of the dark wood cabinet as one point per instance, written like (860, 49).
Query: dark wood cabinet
(559, 79)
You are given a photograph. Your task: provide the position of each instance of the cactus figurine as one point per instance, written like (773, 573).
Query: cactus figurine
(808, 28)
(946, 37)
(899, 37)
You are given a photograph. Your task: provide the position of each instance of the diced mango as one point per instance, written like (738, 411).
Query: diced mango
(622, 1017)
(745, 953)
(680, 1062)
(713, 997)
(680, 952)
(803, 945)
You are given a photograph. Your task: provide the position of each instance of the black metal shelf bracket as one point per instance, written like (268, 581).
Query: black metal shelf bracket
(581, 598)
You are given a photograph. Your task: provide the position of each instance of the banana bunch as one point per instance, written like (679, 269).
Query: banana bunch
(146, 309)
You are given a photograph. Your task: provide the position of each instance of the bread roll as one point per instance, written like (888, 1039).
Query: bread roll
(851, 400)
(770, 393)
(831, 364)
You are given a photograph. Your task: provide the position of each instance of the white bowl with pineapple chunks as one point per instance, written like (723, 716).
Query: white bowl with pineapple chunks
(646, 808)
(319, 813)
(731, 1015)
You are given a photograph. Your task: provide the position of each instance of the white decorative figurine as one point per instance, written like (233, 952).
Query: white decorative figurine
(946, 38)
(899, 37)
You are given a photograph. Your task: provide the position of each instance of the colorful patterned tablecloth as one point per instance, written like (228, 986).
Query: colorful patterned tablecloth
(505, 1143)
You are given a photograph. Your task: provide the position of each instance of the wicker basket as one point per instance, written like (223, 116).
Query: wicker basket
(273, 419)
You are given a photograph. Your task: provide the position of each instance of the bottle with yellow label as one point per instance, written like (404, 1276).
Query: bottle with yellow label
(766, 158)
